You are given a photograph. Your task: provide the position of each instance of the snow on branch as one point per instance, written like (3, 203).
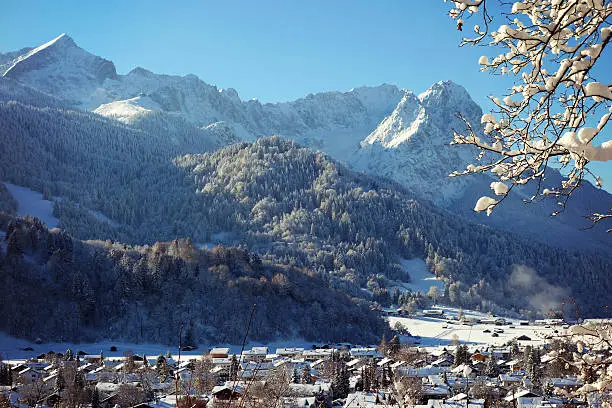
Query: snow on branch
(557, 111)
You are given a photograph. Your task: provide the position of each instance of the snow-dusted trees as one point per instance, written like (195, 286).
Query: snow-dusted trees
(557, 111)
(592, 358)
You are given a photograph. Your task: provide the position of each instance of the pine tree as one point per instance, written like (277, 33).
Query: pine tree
(365, 377)
(233, 374)
(340, 381)
(60, 383)
(3, 375)
(462, 355)
(532, 367)
(162, 368)
(95, 398)
(373, 371)
(384, 380)
(492, 369)
(394, 345)
(306, 376)
(296, 377)
(383, 348)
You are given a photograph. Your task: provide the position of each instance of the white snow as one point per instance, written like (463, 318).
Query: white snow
(438, 332)
(127, 110)
(31, 203)
(411, 145)
(485, 203)
(62, 69)
(499, 188)
(421, 278)
(597, 89)
(12, 347)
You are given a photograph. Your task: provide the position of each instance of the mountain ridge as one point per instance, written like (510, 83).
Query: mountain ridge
(382, 130)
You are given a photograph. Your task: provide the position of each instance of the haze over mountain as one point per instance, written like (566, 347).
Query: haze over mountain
(144, 157)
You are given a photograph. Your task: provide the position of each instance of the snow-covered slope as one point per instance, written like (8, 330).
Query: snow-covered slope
(32, 203)
(63, 69)
(411, 145)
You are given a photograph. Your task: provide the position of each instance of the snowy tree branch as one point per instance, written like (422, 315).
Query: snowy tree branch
(556, 109)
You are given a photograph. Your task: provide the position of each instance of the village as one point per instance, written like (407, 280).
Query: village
(524, 371)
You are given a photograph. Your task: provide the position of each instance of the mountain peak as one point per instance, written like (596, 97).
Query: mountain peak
(141, 72)
(60, 67)
(62, 39)
(445, 94)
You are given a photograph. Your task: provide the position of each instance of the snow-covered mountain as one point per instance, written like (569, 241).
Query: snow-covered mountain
(381, 130)
(63, 69)
(411, 145)
(329, 121)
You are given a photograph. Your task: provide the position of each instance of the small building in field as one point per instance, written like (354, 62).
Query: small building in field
(433, 313)
(219, 352)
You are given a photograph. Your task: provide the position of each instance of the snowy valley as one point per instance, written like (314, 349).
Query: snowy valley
(342, 192)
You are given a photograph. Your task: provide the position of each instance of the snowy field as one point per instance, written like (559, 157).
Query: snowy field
(421, 278)
(31, 203)
(12, 348)
(439, 332)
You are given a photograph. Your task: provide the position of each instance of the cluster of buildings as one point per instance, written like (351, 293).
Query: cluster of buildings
(308, 378)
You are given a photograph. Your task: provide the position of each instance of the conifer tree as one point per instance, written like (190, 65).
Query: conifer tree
(492, 369)
(296, 377)
(306, 376)
(95, 398)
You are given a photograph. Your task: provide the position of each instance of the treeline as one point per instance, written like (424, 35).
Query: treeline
(312, 212)
(287, 203)
(55, 287)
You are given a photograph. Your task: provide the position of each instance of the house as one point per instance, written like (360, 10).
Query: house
(355, 364)
(293, 402)
(253, 369)
(93, 358)
(289, 351)
(227, 392)
(397, 364)
(365, 399)
(444, 361)
(517, 395)
(384, 362)
(523, 338)
(29, 375)
(435, 392)
(219, 352)
(365, 352)
(482, 357)
(515, 365)
(433, 313)
(255, 354)
(509, 380)
(452, 403)
(316, 354)
(570, 383)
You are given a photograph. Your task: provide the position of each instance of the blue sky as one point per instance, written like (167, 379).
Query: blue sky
(271, 50)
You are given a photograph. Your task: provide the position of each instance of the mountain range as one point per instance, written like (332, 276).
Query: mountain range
(345, 185)
(383, 130)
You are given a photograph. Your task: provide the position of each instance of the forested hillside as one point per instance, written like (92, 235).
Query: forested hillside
(314, 212)
(137, 186)
(95, 165)
(55, 287)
